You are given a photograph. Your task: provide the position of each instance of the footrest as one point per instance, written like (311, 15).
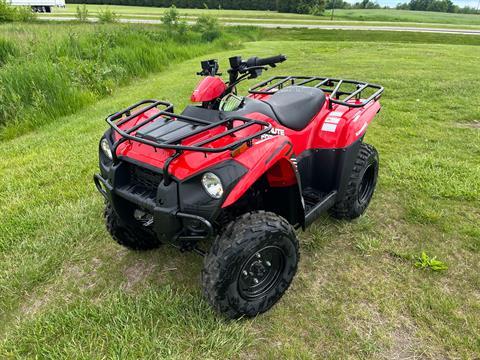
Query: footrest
(323, 203)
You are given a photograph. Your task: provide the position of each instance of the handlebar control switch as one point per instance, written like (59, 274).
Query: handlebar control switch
(235, 62)
(209, 68)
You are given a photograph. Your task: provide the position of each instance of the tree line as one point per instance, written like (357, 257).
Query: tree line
(415, 5)
(341, 4)
(314, 7)
(436, 5)
(290, 6)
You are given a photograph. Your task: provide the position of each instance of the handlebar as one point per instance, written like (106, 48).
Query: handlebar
(250, 68)
(255, 61)
(239, 70)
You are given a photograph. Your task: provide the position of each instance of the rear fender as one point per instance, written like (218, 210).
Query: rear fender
(356, 126)
(343, 126)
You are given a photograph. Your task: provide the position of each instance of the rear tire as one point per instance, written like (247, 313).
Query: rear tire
(361, 185)
(251, 265)
(132, 238)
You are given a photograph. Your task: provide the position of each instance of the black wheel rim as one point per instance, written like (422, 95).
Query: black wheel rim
(365, 189)
(261, 272)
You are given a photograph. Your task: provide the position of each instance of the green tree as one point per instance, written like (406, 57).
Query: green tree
(172, 21)
(209, 27)
(315, 7)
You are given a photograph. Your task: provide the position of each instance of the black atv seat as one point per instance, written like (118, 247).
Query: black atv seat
(295, 106)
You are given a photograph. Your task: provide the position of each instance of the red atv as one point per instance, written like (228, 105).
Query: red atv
(242, 172)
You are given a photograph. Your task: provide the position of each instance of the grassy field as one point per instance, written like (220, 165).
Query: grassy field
(356, 16)
(364, 36)
(280, 22)
(393, 15)
(53, 70)
(67, 291)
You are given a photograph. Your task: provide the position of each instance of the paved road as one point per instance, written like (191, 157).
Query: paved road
(306, 26)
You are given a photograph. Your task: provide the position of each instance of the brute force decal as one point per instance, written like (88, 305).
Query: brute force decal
(273, 132)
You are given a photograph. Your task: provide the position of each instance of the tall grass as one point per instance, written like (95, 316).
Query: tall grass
(58, 69)
(107, 16)
(10, 13)
(7, 50)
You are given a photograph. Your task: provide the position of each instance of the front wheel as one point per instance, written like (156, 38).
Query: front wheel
(251, 265)
(361, 185)
(132, 238)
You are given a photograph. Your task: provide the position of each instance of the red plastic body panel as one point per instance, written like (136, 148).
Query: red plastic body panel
(258, 159)
(190, 162)
(333, 128)
(208, 89)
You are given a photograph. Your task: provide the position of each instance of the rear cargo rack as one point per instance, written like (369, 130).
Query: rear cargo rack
(328, 85)
(165, 110)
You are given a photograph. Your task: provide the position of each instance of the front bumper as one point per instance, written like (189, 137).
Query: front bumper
(169, 223)
(179, 211)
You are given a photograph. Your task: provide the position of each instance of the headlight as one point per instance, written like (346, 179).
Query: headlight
(213, 185)
(106, 148)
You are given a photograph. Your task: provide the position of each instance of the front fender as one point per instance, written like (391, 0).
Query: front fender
(209, 88)
(259, 159)
(193, 198)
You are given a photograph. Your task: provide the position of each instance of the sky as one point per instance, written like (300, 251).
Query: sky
(391, 3)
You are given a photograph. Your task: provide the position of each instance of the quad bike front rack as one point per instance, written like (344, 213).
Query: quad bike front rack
(334, 87)
(165, 109)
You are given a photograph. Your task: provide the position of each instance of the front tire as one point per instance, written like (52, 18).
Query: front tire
(132, 238)
(361, 185)
(251, 265)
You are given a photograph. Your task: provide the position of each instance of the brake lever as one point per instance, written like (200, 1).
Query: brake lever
(206, 73)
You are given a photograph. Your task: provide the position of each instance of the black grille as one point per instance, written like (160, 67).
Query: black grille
(144, 180)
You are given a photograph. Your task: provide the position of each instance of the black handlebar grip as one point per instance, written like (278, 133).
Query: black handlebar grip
(266, 61)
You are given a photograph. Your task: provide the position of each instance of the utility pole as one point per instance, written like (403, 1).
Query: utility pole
(333, 8)
(478, 6)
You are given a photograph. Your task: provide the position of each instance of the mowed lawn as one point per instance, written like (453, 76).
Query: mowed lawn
(341, 16)
(405, 16)
(68, 291)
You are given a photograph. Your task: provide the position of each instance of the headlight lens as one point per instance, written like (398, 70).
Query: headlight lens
(213, 185)
(106, 148)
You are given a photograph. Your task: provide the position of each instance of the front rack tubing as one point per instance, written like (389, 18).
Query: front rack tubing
(126, 134)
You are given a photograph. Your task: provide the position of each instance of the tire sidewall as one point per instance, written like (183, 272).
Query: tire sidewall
(242, 239)
(372, 160)
(230, 276)
(132, 238)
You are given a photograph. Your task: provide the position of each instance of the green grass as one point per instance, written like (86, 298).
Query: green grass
(87, 62)
(67, 291)
(51, 71)
(326, 22)
(393, 15)
(321, 21)
(364, 36)
(388, 16)
(143, 10)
